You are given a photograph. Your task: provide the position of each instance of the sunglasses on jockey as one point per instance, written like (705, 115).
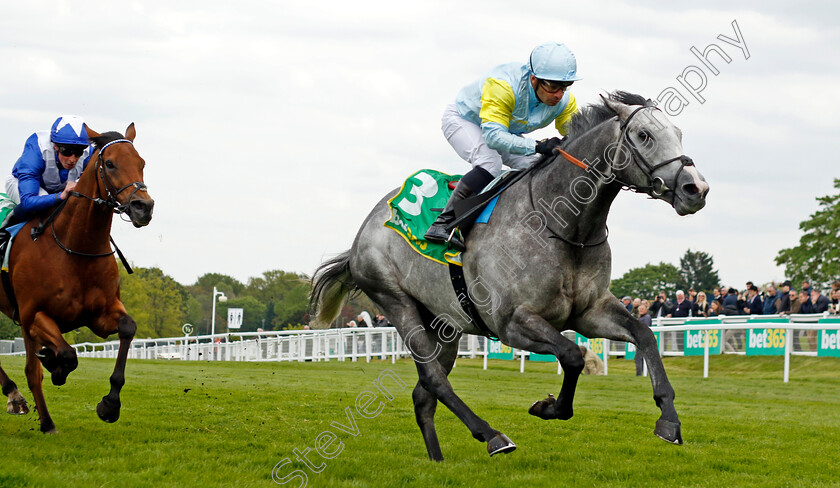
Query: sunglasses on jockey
(555, 86)
(71, 150)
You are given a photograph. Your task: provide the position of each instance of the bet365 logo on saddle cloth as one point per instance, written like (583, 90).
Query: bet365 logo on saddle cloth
(411, 212)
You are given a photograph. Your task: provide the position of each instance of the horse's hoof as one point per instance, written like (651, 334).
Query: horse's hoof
(500, 443)
(58, 377)
(108, 413)
(47, 358)
(668, 431)
(544, 409)
(16, 405)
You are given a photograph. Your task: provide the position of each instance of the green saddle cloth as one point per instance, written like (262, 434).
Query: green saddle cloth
(411, 213)
(6, 208)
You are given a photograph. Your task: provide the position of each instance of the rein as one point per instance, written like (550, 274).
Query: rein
(111, 202)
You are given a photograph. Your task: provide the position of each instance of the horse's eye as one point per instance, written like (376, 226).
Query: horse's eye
(109, 164)
(644, 135)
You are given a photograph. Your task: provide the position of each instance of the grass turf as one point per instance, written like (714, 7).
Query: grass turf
(230, 424)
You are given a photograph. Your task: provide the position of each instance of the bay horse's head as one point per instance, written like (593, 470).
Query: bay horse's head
(649, 155)
(119, 175)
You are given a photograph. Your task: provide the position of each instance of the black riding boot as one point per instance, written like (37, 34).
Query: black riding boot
(472, 182)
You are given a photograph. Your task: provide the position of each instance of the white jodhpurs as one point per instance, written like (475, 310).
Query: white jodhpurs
(465, 137)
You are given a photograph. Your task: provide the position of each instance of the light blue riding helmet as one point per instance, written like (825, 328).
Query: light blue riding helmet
(69, 129)
(554, 62)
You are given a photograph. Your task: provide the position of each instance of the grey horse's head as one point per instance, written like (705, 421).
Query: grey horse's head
(650, 157)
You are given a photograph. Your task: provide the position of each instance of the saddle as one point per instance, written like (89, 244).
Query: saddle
(469, 209)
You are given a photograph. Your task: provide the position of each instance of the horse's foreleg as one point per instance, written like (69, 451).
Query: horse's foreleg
(57, 355)
(16, 404)
(613, 321)
(668, 424)
(109, 408)
(35, 377)
(527, 330)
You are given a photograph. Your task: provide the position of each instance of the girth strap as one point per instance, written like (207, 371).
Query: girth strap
(459, 283)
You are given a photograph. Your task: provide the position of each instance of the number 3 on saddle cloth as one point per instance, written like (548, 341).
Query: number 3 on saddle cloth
(416, 206)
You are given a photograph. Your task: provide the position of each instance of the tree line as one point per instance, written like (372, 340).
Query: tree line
(160, 305)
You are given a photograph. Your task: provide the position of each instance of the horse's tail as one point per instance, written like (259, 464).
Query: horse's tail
(331, 284)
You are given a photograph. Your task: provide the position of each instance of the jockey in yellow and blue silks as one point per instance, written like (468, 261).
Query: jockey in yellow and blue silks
(486, 123)
(51, 163)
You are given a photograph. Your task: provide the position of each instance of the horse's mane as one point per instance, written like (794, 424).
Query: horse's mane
(596, 113)
(106, 137)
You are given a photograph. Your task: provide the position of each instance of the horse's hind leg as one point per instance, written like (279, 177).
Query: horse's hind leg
(109, 408)
(16, 404)
(426, 349)
(425, 403)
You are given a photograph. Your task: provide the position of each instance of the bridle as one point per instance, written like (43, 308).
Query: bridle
(110, 190)
(110, 202)
(655, 187)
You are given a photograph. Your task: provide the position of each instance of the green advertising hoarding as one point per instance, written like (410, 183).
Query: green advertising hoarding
(497, 350)
(594, 345)
(630, 349)
(694, 343)
(766, 342)
(829, 340)
(546, 358)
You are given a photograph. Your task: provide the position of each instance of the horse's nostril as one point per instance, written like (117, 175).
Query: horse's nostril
(691, 189)
(138, 205)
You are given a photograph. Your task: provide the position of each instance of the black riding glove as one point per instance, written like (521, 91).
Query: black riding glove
(547, 146)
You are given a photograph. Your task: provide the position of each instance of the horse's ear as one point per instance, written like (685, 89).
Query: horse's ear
(92, 134)
(130, 133)
(621, 109)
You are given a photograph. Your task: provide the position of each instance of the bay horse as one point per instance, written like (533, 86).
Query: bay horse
(541, 265)
(68, 278)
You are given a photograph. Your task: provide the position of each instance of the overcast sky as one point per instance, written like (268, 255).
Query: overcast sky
(270, 129)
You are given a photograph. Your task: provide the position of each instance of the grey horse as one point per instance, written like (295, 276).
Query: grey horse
(541, 265)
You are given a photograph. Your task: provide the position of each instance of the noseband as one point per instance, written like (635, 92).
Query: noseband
(656, 185)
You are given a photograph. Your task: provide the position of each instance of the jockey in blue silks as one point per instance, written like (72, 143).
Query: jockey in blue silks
(51, 163)
(486, 123)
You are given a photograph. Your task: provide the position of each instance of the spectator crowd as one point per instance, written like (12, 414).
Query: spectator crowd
(783, 299)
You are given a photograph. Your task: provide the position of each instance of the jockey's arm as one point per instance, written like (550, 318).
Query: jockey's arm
(28, 170)
(497, 103)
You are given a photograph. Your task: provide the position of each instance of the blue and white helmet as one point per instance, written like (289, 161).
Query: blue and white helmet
(553, 61)
(69, 129)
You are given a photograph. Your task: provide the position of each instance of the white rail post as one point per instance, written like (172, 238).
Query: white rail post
(393, 343)
(787, 354)
(706, 355)
(606, 356)
(486, 351)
